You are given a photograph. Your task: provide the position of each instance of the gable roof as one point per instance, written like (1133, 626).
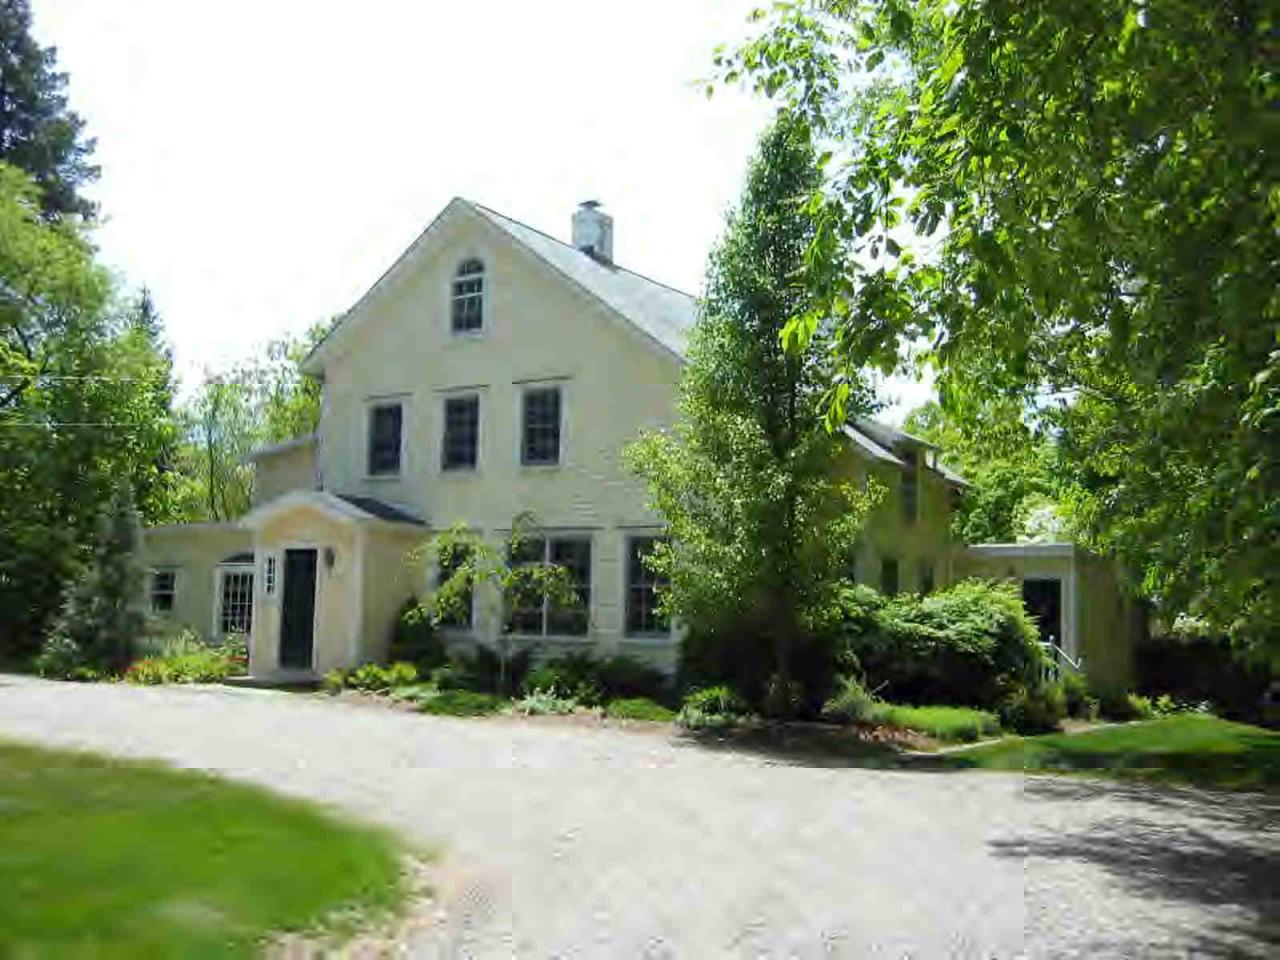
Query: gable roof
(663, 313)
(878, 441)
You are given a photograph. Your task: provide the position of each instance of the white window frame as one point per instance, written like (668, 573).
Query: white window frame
(173, 590)
(370, 404)
(270, 575)
(220, 572)
(485, 287)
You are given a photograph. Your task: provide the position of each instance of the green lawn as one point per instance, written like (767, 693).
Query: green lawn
(956, 724)
(101, 858)
(1188, 748)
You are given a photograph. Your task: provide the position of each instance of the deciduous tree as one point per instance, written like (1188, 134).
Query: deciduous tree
(762, 520)
(1076, 204)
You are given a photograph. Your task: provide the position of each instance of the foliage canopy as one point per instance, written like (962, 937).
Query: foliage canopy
(1075, 204)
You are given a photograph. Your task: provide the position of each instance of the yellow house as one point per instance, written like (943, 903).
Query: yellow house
(493, 370)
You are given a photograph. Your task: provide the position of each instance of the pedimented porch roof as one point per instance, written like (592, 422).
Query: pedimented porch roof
(346, 510)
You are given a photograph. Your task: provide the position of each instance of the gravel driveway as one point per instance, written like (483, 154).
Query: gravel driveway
(567, 841)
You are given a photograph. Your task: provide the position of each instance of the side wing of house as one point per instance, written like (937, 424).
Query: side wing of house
(907, 544)
(200, 576)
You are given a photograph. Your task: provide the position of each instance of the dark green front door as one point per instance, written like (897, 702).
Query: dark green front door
(298, 611)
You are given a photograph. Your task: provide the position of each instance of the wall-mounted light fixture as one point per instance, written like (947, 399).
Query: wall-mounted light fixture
(329, 557)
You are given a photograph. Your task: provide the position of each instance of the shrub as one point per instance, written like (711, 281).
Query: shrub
(462, 703)
(742, 658)
(1037, 710)
(967, 644)
(712, 708)
(1081, 704)
(1124, 707)
(480, 671)
(414, 639)
(575, 675)
(545, 703)
(61, 658)
(853, 703)
(639, 708)
(624, 678)
(1194, 666)
(204, 664)
(593, 681)
(375, 679)
(335, 681)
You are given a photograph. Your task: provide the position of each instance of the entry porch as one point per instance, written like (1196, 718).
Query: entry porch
(333, 574)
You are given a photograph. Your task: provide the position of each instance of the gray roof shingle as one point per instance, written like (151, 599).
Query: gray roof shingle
(664, 313)
(383, 511)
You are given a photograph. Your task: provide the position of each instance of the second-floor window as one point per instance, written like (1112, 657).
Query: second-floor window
(540, 433)
(910, 487)
(385, 422)
(461, 442)
(467, 303)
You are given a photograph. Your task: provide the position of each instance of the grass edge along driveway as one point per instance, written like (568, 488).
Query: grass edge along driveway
(1186, 748)
(108, 858)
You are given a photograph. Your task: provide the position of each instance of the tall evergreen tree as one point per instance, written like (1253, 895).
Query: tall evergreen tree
(38, 133)
(102, 615)
(762, 524)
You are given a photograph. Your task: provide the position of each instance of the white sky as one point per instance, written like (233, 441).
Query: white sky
(263, 162)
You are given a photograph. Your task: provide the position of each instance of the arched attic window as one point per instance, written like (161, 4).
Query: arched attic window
(467, 309)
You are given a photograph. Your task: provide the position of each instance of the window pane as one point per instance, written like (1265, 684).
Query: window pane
(163, 583)
(575, 556)
(467, 308)
(541, 435)
(643, 585)
(910, 489)
(384, 439)
(461, 432)
(237, 603)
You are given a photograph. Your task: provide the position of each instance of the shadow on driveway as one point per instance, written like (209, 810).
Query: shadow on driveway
(1179, 844)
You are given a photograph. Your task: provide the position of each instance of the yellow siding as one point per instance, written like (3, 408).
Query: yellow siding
(338, 594)
(390, 579)
(291, 469)
(537, 325)
(926, 541)
(193, 552)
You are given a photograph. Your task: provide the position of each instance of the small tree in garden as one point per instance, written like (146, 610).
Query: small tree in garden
(496, 576)
(763, 526)
(101, 619)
